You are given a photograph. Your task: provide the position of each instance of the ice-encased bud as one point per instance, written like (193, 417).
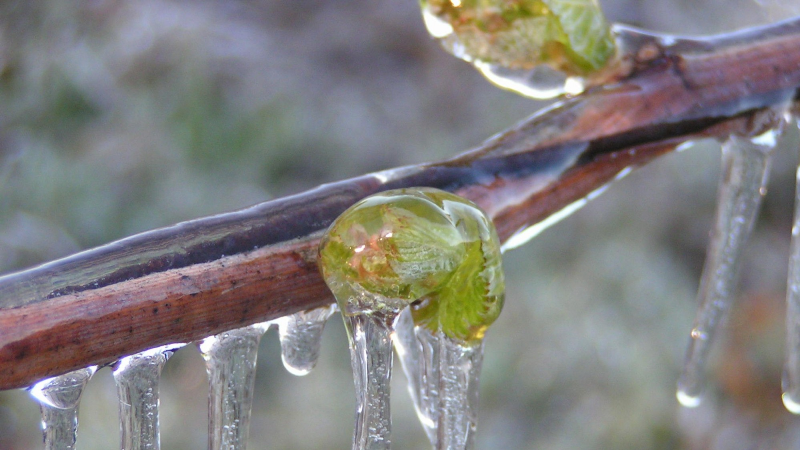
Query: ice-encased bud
(422, 247)
(539, 48)
(64, 391)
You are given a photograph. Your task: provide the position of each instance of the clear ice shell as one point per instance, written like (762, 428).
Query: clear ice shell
(540, 81)
(791, 373)
(301, 336)
(385, 253)
(371, 359)
(137, 379)
(745, 169)
(443, 376)
(231, 366)
(58, 398)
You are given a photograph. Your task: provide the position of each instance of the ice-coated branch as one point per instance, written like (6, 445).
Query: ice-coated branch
(200, 278)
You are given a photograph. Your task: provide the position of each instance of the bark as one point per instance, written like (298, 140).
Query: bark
(198, 278)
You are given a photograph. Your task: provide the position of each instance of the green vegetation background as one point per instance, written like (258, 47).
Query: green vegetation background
(121, 116)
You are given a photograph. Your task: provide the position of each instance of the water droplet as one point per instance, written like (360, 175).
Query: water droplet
(59, 398)
(301, 336)
(696, 333)
(792, 405)
(686, 400)
(137, 378)
(684, 146)
(231, 366)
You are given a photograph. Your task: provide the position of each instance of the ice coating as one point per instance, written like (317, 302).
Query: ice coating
(231, 366)
(745, 169)
(538, 48)
(137, 379)
(58, 398)
(371, 359)
(301, 336)
(443, 375)
(423, 248)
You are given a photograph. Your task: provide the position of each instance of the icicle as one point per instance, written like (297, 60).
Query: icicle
(59, 397)
(440, 254)
(137, 378)
(371, 359)
(408, 350)
(791, 373)
(231, 365)
(443, 376)
(301, 335)
(745, 169)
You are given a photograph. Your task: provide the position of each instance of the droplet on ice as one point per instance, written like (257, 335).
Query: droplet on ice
(745, 169)
(137, 379)
(231, 366)
(301, 336)
(58, 398)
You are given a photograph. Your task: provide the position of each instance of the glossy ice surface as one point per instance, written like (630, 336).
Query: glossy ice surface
(301, 338)
(745, 171)
(531, 46)
(231, 366)
(58, 398)
(421, 247)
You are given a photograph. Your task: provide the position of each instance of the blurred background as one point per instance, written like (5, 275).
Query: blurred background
(121, 116)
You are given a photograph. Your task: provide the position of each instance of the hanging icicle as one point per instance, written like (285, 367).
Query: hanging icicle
(58, 398)
(443, 379)
(791, 373)
(441, 345)
(301, 336)
(231, 365)
(438, 253)
(137, 379)
(745, 169)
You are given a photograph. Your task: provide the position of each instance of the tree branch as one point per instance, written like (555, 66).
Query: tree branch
(198, 278)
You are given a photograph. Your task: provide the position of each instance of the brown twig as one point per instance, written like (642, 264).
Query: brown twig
(198, 278)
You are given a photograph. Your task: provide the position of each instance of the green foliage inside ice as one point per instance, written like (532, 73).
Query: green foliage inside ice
(421, 247)
(570, 35)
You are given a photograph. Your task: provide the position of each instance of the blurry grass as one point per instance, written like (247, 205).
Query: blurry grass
(118, 117)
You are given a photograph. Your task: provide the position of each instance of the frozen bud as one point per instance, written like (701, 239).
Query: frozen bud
(422, 247)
